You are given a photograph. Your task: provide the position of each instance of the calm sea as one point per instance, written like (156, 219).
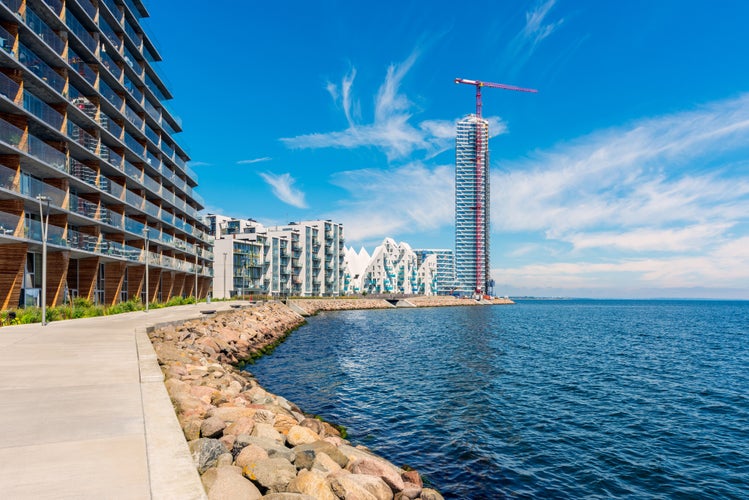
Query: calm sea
(543, 399)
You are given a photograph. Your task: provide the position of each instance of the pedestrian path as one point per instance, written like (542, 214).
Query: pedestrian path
(84, 412)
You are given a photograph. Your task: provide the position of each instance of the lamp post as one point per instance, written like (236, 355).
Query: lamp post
(224, 274)
(45, 225)
(145, 233)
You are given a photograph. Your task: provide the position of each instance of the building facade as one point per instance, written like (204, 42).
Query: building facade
(472, 266)
(304, 259)
(444, 273)
(88, 147)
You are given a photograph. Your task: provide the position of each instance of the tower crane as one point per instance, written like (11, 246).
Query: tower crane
(481, 230)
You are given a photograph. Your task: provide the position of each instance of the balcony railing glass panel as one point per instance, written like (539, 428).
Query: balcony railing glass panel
(89, 8)
(40, 68)
(82, 137)
(82, 172)
(133, 172)
(109, 33)
(46, 153)
(82, 33)
(80, 66)
(133, 144)
(109, 63)
(42, 110)
(110, 95)
(44, 32)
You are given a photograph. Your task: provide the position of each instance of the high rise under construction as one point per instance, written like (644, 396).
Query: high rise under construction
(472, 267)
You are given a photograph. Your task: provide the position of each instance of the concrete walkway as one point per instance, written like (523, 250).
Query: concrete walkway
(84, 412)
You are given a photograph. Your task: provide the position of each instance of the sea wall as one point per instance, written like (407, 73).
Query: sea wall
(249, 443)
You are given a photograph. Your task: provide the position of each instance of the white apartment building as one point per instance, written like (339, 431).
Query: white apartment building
(392, 269)
(444, 279)
(301, 258)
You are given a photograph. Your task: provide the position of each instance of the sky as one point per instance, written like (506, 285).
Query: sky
(625, 176)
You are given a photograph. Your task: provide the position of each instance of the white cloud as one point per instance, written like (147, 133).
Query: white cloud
(283, 188)
(391, 129)
(407, 199)
(254, 160)
(536, 29)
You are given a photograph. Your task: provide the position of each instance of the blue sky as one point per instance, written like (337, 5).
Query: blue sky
(627, 175)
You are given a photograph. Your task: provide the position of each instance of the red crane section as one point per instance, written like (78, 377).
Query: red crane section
(481, 278)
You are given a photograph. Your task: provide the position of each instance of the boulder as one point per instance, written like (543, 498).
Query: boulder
(273, 449)
(205, 452)
(228, 484)
(314, 424)
(249, 455)
(212, 427)
(410, 491)
(360, 486)
(306, 454)
(273, 474)
(231, 413)
(325, 464)
(379, 468)
(412, 476)
(266, 431)
(284, 422)
(312, 483)
(243, 425)
(264, 417)
(301, 435)
(430, 494)
(288, 496)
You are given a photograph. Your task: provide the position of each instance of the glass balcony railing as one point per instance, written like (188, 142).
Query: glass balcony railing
(55, 5)
(152, 184)
(108, 62)
(110, 95)
(8, 87)
(113, 9)
(153, 136)
(84, 173)
(133, 144)
(133, 199)
(111, 187)
(151, 110)
(42, 110)
(110, 34)
(80, 66)
(133, 117)
(133, 172)
(113, 157)
(83, 207)
(82, 137)
(113, 128)
(79, 31)
(40, 68)
(87, 6)
(45, 153)
(152, 209)
(132, 34)
(44, 32)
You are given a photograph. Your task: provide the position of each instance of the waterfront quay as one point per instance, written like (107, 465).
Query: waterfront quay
(86, 410)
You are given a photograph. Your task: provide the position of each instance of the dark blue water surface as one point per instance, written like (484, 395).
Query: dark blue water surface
(543, 399)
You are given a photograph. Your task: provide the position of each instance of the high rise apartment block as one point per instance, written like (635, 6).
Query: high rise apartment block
(472, 197)
(87, 144)
(301, 258)
(444, 273)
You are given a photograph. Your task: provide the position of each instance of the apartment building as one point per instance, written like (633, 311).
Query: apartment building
(88, 151)
(300, 259)
(444, 272)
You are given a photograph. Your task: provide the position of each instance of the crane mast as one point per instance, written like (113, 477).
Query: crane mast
(479, 182)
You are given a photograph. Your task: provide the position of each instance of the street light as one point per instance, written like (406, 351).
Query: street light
(224, 274)
(146, 234)
(45, 226)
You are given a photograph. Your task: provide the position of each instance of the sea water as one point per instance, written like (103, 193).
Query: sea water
(542, 399)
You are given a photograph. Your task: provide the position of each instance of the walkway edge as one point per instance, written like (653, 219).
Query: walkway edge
(172, 473)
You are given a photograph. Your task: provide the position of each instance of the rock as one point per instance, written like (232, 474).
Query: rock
(430, 494)
(229, 484)
(314, 424)
(273, 474)
(264, 417)
(288, 496)
(250, 454)
(191, 427)
(312, 483)
(301, 435)
(284, 422)
(410, 491)
(379, 468)
(228, 441)
(243, 425)
(224, 460)
(205, 452)
(231, 413)
(412, 476)
(212, 427)
(306, 454)
(273, 449)
(325, 464)
(266, 431)
(360, 486)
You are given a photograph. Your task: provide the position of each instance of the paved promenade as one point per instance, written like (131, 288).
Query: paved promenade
(84, 412)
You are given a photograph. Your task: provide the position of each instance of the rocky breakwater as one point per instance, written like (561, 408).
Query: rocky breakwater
(313, 306)
(248, 443)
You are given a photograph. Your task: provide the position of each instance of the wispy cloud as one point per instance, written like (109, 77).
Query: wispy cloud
(199, 164)
(414, 197)
(283, 188)
(663, 200)
(391, 129)
(254, 160)
(536, 29)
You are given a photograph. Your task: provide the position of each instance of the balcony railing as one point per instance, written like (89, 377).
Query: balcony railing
(44, 32)
(82, 33)
(42, 110)
(81, 67)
